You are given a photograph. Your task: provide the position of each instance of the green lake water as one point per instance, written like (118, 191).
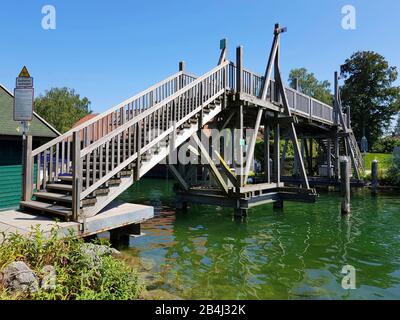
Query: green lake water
(296, 253)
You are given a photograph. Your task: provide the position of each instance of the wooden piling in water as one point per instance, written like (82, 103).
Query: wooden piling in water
(374, 177)
(345, 184)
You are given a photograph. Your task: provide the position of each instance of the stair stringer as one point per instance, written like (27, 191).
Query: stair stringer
(180, 139)
(126, 182)
(103, 201)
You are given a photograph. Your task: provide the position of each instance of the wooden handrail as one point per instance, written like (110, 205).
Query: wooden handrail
(146, 113)
(86, 124)
(218, 87)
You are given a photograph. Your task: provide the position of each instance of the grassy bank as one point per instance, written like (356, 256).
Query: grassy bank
(78, 271)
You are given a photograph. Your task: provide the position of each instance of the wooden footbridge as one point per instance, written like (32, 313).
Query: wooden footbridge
(82, 171)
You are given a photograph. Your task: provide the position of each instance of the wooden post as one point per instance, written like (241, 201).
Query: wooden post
(296, 84)
(345, 184)
(76, 175)
(182, 66)
(241, 147)
(239, 69)
(283, 159)
(336, 93)
(267, 156)
(277, 160)
(27, 173)
(374, 177)
(337, 154)
(329, 158)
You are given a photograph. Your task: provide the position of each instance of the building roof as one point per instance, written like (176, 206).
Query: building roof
(38, 128)
(85, 119)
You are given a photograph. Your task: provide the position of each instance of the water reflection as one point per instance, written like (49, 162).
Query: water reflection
(297, 253)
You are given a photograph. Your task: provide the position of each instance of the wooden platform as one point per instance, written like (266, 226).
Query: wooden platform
(251, 196)
(114, 216)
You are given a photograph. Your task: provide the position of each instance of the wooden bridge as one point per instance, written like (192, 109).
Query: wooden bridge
(82, 171)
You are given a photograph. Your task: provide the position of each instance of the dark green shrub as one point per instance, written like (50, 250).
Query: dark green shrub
(386, 145)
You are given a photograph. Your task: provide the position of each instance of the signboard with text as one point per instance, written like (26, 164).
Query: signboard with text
(23, 97)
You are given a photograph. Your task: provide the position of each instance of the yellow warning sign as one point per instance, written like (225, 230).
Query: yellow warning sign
(24, 73)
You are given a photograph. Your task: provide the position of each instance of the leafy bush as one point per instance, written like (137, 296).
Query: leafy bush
(77, 278)
(393, 174)
(386, 145)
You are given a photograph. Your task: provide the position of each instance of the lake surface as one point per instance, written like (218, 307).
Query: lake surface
(297, 253)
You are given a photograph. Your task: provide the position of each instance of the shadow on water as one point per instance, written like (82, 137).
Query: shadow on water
(297, 253)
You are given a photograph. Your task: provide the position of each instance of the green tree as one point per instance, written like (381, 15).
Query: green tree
(396, 131)
(368, 90)
(309, 85)
(62, 107)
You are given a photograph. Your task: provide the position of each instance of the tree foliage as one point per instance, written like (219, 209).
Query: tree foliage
(396, 131)
(309, 85)
(62, 108)
(386, 144)
(368, 90)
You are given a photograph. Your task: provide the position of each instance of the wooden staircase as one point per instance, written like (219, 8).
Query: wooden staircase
(85, 169)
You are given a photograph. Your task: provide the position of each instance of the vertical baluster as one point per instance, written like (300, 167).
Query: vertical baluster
(112, 150)
(134, 140)
(76, 176)
(38, 175)
(51, 164)
(68, 164)
(63, 156)
(107, 156)
(88, 169)
(101, 162)
(94, 156)
(44, 169)
(56, 172)
(119, 136)
(129, 141)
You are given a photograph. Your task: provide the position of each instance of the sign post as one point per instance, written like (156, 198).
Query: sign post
(23, 112)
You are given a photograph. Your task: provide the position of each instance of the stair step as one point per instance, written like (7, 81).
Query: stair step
(59, 186)
(53, 196)
(63, 198)
(48, 207)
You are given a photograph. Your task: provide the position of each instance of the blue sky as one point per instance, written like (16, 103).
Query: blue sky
(111, 50)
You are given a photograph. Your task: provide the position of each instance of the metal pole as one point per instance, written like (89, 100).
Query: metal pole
(27, 167)
(345, 184)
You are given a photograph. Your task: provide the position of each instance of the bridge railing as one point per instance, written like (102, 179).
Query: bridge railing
(55, 157)
(298, 102)
(146, 130)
